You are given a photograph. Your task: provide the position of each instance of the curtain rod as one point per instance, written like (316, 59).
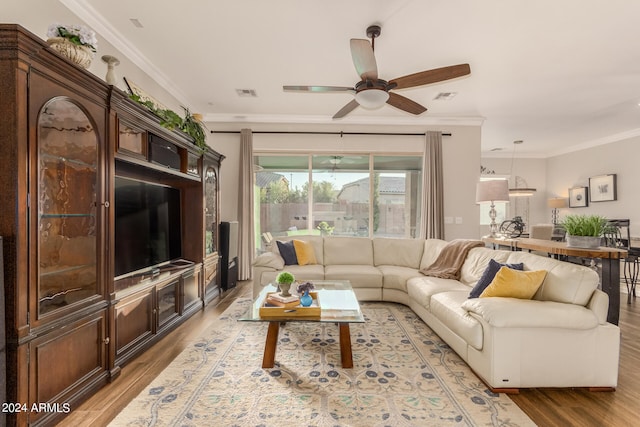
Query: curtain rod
(330, 133)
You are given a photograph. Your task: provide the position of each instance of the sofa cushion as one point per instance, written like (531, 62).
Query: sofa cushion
(511, 283)
(447, 307)
(477, 261)
(304, 252)
(422, 288)
(395, 277)
(432, 248)
(360, 276)
(300, 272)
(565, 282)
(523, 313)
(348, 251)
(488, 276)
(316, 241)
(400, 252)
(287, 252)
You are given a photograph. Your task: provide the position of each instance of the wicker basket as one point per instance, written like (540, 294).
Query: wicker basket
(80, 55)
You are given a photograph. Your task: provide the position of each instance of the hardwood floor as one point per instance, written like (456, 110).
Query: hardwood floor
(546, 407)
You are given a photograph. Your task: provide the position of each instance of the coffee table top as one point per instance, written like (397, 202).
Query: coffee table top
(338, 303)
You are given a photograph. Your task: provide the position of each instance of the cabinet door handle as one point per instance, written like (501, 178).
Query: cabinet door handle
(106, 341)
(106, 204)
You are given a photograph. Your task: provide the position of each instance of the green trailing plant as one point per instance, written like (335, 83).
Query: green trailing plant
(169, 119)
(193, 127)
(585, 225)
(285, 277)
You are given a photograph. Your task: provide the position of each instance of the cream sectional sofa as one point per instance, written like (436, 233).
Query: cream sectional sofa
(560, 338)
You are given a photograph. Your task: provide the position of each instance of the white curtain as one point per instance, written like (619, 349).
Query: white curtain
(432, 218)
(246, 243)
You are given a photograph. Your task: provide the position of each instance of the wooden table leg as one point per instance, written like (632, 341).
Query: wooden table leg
(345, 346)
(270, 344)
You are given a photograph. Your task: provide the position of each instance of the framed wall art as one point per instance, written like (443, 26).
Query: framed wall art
(602, 188)
(578, 197)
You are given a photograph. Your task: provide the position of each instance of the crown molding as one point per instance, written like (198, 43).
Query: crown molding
(97, 22)
(597, 142)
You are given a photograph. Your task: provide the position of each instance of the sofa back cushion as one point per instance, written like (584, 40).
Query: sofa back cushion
(565, 282)
(399, 252)
(432, 248)
(476, 263)
(348, 251)
(315, 241)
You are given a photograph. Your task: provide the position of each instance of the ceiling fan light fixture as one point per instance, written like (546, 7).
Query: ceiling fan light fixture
(372, 98)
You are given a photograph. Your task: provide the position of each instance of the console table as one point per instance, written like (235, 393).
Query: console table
(610, 263)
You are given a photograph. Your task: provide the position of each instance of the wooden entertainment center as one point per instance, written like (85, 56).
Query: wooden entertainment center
(71, 322)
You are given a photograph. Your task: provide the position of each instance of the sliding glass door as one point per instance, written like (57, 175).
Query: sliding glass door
(343, 195)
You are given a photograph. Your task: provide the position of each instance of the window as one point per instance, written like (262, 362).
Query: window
(351, 195)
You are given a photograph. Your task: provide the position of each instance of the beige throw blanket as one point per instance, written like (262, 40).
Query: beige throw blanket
(451, 258)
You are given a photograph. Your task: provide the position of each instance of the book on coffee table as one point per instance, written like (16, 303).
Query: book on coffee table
(275, 302)
(287, 299)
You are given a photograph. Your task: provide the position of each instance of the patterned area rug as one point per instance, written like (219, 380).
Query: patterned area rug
(403, 375)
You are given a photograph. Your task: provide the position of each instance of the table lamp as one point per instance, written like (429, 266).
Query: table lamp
(556, 203)
(494, 190)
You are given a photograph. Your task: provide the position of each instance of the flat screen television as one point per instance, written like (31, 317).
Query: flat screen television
(147, 225)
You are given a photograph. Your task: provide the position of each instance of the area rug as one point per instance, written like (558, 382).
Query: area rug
(403, 375)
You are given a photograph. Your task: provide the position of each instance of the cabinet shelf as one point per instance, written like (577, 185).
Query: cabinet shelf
(67, 215)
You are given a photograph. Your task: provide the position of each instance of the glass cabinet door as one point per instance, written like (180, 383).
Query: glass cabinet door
(67, 182)
(210, 210)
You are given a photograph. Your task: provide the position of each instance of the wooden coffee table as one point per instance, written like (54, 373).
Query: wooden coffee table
(338, 304)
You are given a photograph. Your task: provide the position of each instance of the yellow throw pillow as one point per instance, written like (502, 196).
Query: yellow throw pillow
(514, 283)
(304, 252)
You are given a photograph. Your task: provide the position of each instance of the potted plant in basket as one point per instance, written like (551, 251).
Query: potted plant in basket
(585, 231)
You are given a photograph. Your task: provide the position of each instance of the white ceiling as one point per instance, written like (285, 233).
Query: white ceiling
(559, 75)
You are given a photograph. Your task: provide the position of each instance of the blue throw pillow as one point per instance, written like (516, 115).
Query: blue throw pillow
(288, 252)
(488, 275)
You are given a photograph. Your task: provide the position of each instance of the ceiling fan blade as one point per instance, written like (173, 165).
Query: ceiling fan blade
(430, 76)
(317, 89)
(364, 59)
(405, 104)
(346, 109)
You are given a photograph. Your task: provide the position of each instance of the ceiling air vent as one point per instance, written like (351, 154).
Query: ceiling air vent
(247, 93)
(445, 96)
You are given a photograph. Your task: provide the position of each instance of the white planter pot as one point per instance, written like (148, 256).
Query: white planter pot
(587, 242)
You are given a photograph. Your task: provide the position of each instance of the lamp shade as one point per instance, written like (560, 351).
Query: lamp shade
(557, 202)
(372, 98)
(494, 190)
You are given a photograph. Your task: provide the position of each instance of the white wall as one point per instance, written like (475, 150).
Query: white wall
(461, 156)
(533, 171)
(574, 170)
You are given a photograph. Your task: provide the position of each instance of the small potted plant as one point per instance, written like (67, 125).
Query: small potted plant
(284, 281)
(303, 289)
(585, 231)
(76, 42)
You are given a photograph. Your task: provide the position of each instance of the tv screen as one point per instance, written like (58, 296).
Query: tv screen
(147, 225)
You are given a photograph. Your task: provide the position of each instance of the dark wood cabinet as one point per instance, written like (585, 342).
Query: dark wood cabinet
(75, 310)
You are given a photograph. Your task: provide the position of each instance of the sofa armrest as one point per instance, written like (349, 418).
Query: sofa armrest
(599, 304)
(520, 313)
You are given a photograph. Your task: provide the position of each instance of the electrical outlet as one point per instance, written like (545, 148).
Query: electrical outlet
(458, 220)
(448, 220)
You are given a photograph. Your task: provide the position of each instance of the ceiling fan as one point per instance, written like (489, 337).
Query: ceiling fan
(372, 92)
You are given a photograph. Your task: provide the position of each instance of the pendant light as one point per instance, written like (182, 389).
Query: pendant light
(515, 191)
